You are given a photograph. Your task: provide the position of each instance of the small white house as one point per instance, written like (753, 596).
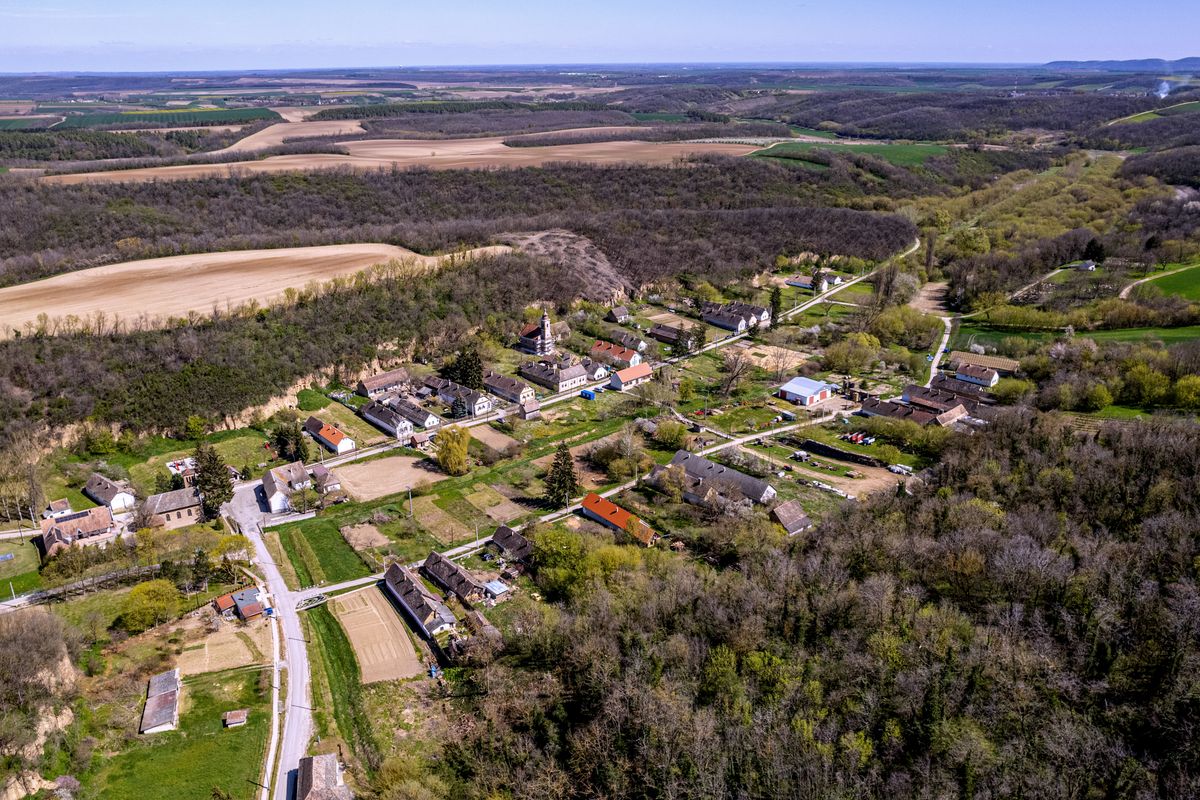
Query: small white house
(629, 377)
(328, 436)
(806, 391)
(279, 484)
(980, 376)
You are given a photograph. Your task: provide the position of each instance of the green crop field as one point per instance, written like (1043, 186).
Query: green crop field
(801, 131)
(659, 116)
(319, 553)
(1185, 283)
(902, 155)
(991, 337)
(201, 757)
(169, 118)
(1182, 108)
(21, 572)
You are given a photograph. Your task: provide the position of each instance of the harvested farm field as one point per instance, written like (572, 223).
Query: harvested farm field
(278, 133)
(160, 288)
(370, 480)
(490, 152)
(377, 634)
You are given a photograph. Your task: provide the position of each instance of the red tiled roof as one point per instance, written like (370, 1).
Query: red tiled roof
(615, 351)
(617, 517)
(224, 602)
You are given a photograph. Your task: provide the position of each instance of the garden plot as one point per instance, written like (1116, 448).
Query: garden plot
(441, 525)
(230, 646)
(371, 480)
(494, 504)
(492, 437)
(378, 636)
(364, 537)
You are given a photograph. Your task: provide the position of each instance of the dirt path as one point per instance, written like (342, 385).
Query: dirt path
(371, 480)
(487, 152)
(160, 288)
(377, 634)
(931, 299)
(1124, 294)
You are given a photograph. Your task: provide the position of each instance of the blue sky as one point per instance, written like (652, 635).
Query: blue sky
(121, 35)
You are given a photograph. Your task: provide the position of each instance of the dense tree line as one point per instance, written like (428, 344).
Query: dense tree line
(490, 122)
(155, 380)
(1179, 165)
(1169, 131)
(658, 133)
(949, 115)
(1023, 624)
(56, 228)
(76, 145)
(450, 107)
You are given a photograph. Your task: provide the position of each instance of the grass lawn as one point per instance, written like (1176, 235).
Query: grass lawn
(311, 400)
(318, 552)
(659, 116)
(902, 155)
(22, 571)
(362, 432)
(236, 448)
(859, 293)
(201, 756)
(340, 673)
(1185, 283)
(828, 434)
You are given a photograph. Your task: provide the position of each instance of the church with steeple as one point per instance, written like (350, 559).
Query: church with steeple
(540, 338)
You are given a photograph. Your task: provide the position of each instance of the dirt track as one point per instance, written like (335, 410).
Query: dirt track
(488, 152)
(159, 288)
(375, 631)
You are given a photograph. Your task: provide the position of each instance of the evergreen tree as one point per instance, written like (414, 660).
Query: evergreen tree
(470, 369)
(561, 482)
(212, 479)
(776, 305)
(459, 408)
(202, 568)
(289, 442)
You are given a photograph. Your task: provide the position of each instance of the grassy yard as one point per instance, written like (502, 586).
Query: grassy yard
(362, 432)
(902, 155)
(339, 672)
(319, 553)
(202, 756)
(1185, 283)
(21, 573)
(237, 448)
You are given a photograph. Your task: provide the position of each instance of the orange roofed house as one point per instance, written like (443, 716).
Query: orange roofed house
(613, 516)
(93, 526)
(615, 354)
(329, 436)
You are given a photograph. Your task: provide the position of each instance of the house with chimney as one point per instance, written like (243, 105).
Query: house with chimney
(452, 577)
(553, 375)
(387, 419)
(391, 381)
(328, 436)
(450, 393)
(619, 315)
(507, 388)
(320, 778)
(625, 379)
(95, 526)
(428, 613)
(667, 334)
(281, 482)
(417, 415)
(706, 480)
(174, 509)
(117, 495)
(627, 339)
(615, 354)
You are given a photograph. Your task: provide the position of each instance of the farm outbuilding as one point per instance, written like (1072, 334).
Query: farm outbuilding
(806, 391)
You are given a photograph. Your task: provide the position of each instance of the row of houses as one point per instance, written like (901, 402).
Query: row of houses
(279, 484)
(945, 401)
(736, 316)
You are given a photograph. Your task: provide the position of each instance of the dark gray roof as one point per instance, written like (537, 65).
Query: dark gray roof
(451, 576)
(160, 710)
(512, 544)
(176, 500)
(319, 778)
(102, 489)
(711, 472)
(429, 612)
(163, 682)
(791, 516)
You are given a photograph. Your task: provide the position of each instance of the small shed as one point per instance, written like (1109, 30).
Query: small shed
(235, 719)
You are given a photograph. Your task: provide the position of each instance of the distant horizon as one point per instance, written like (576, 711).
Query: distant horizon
(558, 65)
(140, 36)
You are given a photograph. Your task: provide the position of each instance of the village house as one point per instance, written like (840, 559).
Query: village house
(627, 339)
(619, 315)
(511, 544)
(806, 391)
(325, 481)
(452, 577)
(948, 383)
(387, 419)
(667, 334)
(625, 379)
(57, 508)
(791, 517)
(890, 409)
(162, 703)
(247, 603)
(429, 613)
(95, 526)
(727, 320)
(507, 388)
(417, 415)
(328, 436)
(530, 410)
(1003, 366)
(224, 605)
(117, 496)
(806, 282)
(174, 509)
(391, 381)
(553, 376)
(320, 778)
(615, 354)
(541, 338)
(594, 370)
(449, 392)
(281, 482)
(612, 516)
(937, 400)
(976, 374)
(708, 479)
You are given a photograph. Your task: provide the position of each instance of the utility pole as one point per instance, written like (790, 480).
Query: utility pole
(410, 508)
